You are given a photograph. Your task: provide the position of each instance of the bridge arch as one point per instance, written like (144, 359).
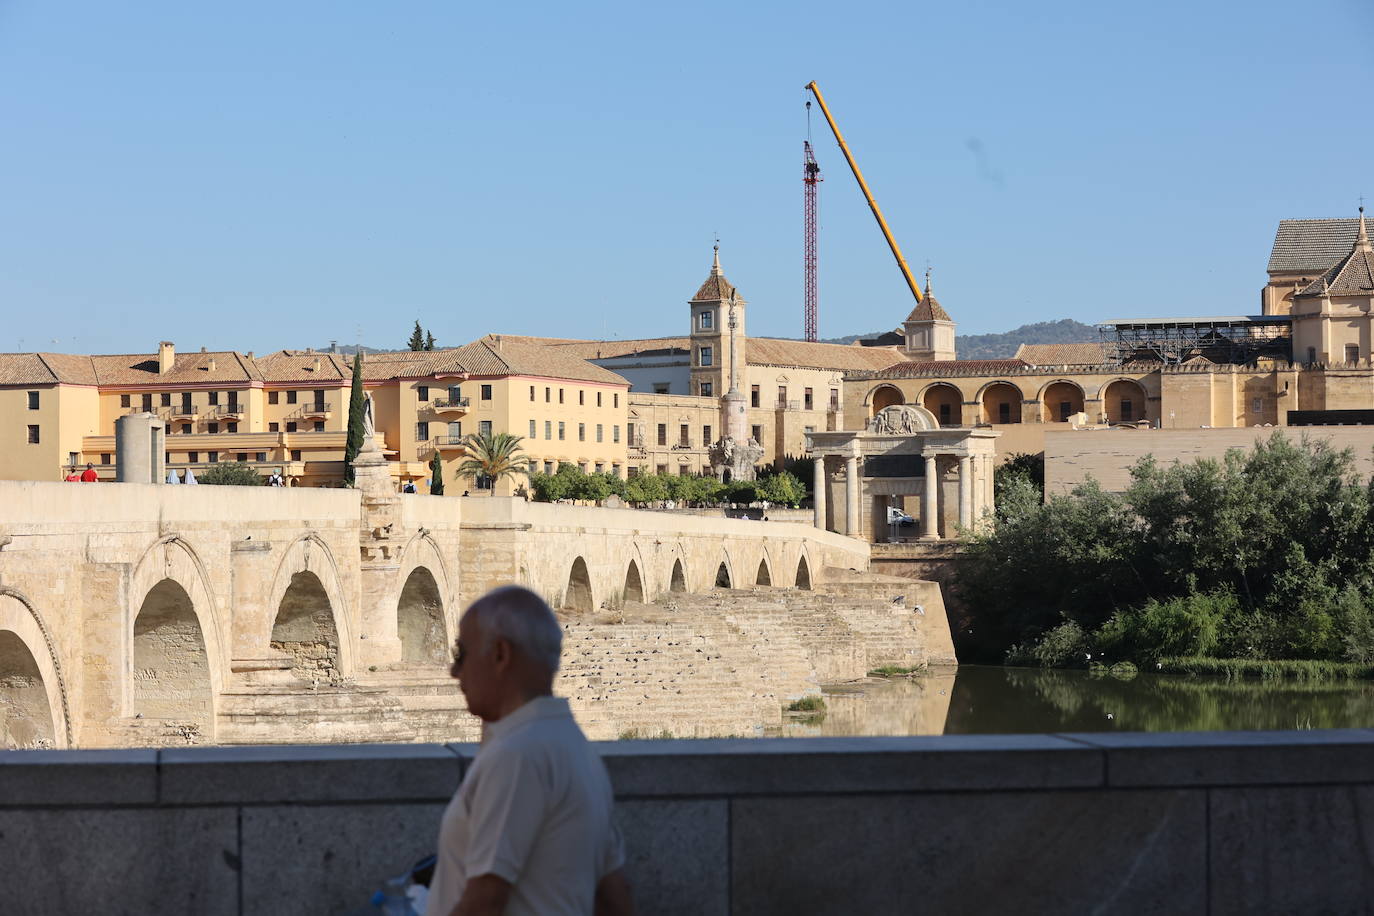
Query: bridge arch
(578, 595)
(163, 657)
(308, 575)
(634, 583)
(31, 714)
(803, 578)
(426, 612)
(725, 572)
(677, 577)
(764, 576)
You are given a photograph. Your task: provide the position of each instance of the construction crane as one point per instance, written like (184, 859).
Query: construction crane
(811, 176)
(868, 195)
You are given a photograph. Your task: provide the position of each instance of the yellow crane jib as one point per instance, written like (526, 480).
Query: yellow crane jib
(868, 195)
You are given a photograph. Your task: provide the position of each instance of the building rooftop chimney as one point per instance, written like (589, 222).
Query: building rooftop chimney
(316, 366)
(166, 357)
(211, 366)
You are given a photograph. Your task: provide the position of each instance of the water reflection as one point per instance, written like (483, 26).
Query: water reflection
(993, 700)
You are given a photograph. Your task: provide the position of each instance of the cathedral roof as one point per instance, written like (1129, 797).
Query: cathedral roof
(929, 308)
(716, 286)
(1311, 245)
(1352, 274)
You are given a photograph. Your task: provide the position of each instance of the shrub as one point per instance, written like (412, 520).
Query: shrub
(1061, 647)
(232, 474)
(1190, 625)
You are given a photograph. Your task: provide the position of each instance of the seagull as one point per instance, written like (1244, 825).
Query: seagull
(1109, 716)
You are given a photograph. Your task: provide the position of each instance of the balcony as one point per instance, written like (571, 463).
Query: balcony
(183, 413)
(448, 443)
(449, 406)
(316, 411)
(787, 405)
(226, 413)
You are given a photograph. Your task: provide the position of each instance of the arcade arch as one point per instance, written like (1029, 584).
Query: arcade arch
(304, 629)
(171, 665)
(1001, 403)
(946, 402)
(884, 396)
(1060, 401)
(420, 620)
(1123, 401)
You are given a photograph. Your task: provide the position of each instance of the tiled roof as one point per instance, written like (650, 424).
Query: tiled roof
(716, 286)
(187, 369)
(608, 349)
(928, 309)
(1311, 245)
(499, 355)
(768, 351)
(1066, 354)
(948, 366)
(1351, 275)
(299, 366)
(25, 369)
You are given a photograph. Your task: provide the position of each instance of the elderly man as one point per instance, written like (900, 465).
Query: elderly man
(531, 828)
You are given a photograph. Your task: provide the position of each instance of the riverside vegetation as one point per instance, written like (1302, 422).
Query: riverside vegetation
(1258, 565)
(781, 488)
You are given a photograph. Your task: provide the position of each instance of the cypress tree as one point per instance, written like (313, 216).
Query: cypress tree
(354, 443)
(429, 340)
(436, 475)
(417, 337)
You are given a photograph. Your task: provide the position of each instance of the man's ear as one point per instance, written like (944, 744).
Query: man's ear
(501, 652)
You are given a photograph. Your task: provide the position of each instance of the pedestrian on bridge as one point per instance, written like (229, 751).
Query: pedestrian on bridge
(531, 829)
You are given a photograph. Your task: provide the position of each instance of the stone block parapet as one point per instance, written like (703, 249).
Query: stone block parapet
(1186, 823)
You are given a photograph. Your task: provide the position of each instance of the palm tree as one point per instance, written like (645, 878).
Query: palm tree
(492, 456)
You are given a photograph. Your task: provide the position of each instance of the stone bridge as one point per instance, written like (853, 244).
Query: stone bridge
(136, 614)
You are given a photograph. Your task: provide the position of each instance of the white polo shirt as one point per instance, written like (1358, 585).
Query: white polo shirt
(536, 809)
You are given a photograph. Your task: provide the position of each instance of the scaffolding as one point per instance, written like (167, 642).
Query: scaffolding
(1228, 340)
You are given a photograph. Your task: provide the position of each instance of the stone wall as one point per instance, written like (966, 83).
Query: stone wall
(1249, 822)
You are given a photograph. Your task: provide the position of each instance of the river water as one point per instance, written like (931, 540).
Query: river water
(978, 699)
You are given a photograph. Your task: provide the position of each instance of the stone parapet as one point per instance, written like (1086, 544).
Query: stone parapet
(1178, 823)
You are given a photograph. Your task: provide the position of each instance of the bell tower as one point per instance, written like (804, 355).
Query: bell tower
(928, 330)
(712, 357)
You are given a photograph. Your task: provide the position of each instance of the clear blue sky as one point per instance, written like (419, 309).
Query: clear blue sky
(259, 175)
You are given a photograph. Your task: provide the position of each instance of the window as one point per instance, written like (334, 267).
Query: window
(186, 406)
(660, 387)
(212, 427)
(582, 432)
(422, 431)
(1256, 405)
(214, 397)
(193, 457)
(663, 434)
(560, 395)
(1352, 353)
(615, 432)
(271, 428)
(598, 432)
(291, 427)
(234, 399)
(214, 457)
(834, 399)
(704, 356)
(105, 457)
(1128, 408)
(241, 456)
(753, 395)
(186, 427)
(630, 435)
(1004, 411)
(684, 471)
(756, 433)
(531, 392)
(260, 456)
(1064, 409)
(147, 400)
(273, 397)
(661, 469)
(319, 426)
(582, 465)
(706, 435)
(944, 413)
(782, 396)
(615, 470)
(290, 397)
(295, 454)
(486, 392)
(33, 400)
(484, 428)
(631, 472)
(548, 395)
(598, 399)
(548, 467)
(581, 398)
(560, 430)
(705, 320)
(124, 399)
(533, 428)
(684, 438)
(548, 429)
(808, 429)
(234, 427)
(421, 392)
(33, 434)
(707, 389)
(806, 399)
(600, 468)
(455, 429)
(166, 399)
(615, 399)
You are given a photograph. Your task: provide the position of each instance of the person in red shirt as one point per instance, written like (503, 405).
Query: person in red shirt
(73, 477)
(89, 475)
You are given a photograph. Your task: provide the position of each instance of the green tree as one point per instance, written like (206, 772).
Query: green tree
(493, 456)
(232, 474)
(353, 443)
(417, 337)
(436, 475)
(782, 488)
(429, 340)
(645, 488)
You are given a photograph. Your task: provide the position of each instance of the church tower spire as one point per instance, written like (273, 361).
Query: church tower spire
(929, 331)
(717, 340)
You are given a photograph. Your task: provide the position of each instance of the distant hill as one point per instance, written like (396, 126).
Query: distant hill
(1003, 346)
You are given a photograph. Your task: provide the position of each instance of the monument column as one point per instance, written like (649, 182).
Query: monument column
(965, 491)
(818, 501)
(851, 495)
(930, 514)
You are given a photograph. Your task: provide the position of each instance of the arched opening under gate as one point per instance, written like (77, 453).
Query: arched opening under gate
(420, 620)
(1061, 401)
(1002, 403)
(763, 578)
(678, 581)
(723, 576)
(884, 396)
(634, 585)
(26, 718)
(578, 596)
(803, 574)
(171, 672)
(946, 403)
(1123, 401)
(304, 629)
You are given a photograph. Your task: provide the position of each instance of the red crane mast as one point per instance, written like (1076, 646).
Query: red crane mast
(811, 176)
